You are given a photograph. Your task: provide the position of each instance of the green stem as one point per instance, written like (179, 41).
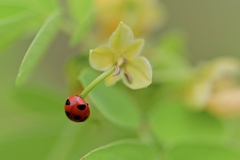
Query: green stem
(96, 81)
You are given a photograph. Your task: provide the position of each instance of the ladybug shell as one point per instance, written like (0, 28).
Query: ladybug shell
(76, 109)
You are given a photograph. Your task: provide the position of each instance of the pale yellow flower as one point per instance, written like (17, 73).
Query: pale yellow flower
(211, 79)
(123, 51)
(225, 103)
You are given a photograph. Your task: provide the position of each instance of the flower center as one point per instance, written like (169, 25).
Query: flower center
(121, 61)
(120, 64)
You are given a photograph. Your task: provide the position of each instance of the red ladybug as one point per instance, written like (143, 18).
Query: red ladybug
(76, 109)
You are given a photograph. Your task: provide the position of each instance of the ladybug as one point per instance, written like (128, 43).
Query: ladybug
(76, 109)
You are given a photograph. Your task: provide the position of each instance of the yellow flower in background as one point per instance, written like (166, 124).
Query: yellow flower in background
(225, 103)
(143, 16)
(215, 88)
(123, 51)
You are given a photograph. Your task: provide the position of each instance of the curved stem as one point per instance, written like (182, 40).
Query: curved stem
(96, 82)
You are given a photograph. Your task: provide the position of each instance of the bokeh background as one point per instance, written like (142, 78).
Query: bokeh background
(191, 110)
(210, 26)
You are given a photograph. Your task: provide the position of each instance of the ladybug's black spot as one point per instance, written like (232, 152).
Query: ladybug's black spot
(81, 106)
(67, 113)
(77, 117)
(67, 102)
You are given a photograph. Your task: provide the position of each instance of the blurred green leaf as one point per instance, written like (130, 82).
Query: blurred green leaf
(14, 21)
(203, 152)
(173, 42)
(38, 47)
(82, 28)
(83, 13)
(171, 122)
(127, 150)
(166, 67)
(82, 144)
(73, 68)
(42, 7)
(14, 18)
(169, 60)
(113, 102)
(39, 99)
(32, 143)
(11, 33)
(7, 10)
(30, 106)
(80, 9)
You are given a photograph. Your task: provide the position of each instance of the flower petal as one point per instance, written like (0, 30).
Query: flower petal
(138, 73)
(121, 37)
(134, 49)
(111, 80)
(102, 58)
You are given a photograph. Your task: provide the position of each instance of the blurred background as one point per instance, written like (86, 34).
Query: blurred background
(210, 26)
(191, 110)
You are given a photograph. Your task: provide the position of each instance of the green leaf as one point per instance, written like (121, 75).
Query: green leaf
(82, 144)
(83, 13)
(113, 102)
(14, 21)
(73, 67)
(38, 47)
(173, 42)
(82, 28)
(203, 152)
(14, 18)
(38, 99)
(170, 61)
(79, 9)
(43, 7)
(32, 105)
(171, 122)
(127, 150)
(32, 143)
(7, 10)
(9, 33)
